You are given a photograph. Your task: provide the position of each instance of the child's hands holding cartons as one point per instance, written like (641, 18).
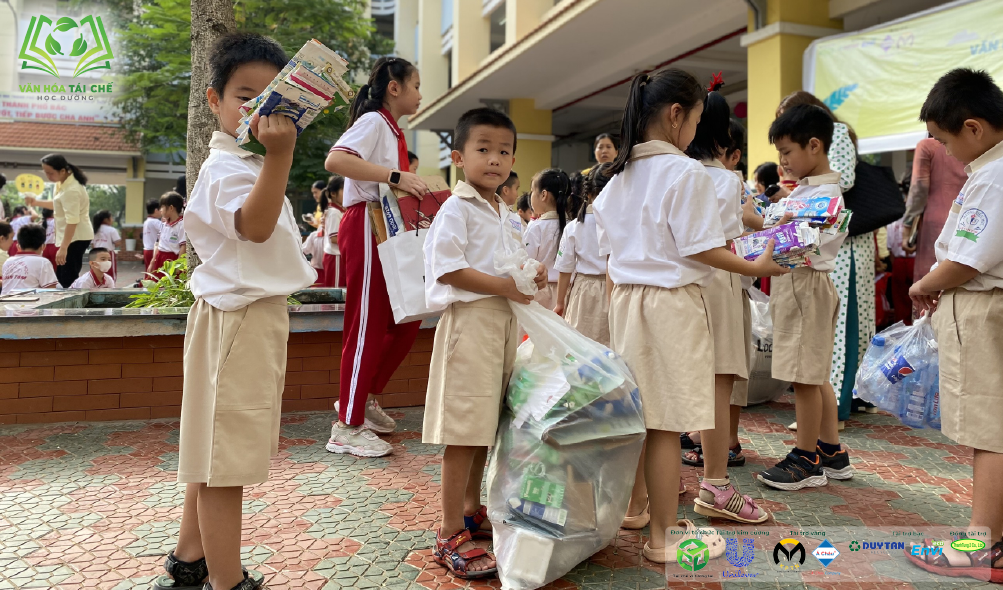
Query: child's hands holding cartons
(256, 219)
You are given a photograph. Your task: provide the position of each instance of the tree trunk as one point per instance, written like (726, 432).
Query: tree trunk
(211, 19)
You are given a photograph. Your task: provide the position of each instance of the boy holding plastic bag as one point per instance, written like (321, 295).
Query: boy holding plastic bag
(964, 111)
(476, 339)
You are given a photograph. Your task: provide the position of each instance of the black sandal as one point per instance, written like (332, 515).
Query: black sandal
(253, 580)
(685, 441)
(182, 575)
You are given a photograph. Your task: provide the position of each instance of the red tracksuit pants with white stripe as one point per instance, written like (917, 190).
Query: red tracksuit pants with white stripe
(373, 345)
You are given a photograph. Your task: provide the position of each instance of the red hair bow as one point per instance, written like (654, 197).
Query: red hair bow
(716, 82)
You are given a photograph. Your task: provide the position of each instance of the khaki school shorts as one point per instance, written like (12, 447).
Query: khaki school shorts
(969, 329)
(804, 307)
(588, 308)
(234, 373)
(472, 358)
(664, 336)
(724, 296)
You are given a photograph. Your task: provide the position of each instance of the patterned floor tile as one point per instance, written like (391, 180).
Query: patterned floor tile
(97, 505)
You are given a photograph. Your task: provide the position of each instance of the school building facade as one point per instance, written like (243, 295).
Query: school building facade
(562, 68)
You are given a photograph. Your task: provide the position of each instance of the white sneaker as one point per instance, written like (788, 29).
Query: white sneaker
(376, 419)
(358, 441)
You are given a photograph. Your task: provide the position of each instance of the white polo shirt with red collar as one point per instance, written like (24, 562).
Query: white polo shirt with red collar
(89, 281)
(374, 139)
(172, 235)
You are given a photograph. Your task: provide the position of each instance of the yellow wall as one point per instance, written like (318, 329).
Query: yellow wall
(775, 66)
(135, 183)
(531, 155)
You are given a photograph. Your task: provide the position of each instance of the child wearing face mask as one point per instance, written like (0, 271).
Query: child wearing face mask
(99, 276)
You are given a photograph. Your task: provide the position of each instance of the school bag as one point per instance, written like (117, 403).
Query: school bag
(875, 199)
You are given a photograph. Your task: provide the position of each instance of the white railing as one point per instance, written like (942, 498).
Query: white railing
(383, 7)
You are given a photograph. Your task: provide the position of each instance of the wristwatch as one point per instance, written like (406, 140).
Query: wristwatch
(395, 177)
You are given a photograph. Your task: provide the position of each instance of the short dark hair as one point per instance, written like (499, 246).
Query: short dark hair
(319, 185)
(802, 123)
(152, 206)
(172, 199)
(20, 210)
(31, 236)
(524, 204)
(411, 156)
(766, 174)
(5, 229)
(93, 254)
(737, 131)
(231, 51)
(482, 116)
(963, 94)
(510, 181)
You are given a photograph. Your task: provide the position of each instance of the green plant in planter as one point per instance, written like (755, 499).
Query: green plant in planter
(172, 289)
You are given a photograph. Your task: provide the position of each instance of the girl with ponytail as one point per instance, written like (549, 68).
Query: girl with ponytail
(551, 189)
(371, 151)
(725, 302)
(658, 221)
(587, 307)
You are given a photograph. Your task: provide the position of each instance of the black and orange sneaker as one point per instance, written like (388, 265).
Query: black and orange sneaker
(794, 473)
(837, 465)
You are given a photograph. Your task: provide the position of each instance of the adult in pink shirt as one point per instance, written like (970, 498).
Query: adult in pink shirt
(937, 179)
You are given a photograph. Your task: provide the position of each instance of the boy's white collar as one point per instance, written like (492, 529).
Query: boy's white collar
(465, 191)
(830, 178)
(228, 143)
(992, 154)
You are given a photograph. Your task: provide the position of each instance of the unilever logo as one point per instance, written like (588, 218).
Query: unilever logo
(739, 558)
(42, 43)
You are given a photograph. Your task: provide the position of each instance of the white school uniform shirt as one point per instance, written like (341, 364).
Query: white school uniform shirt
(973, 233)
(332, 220)
(105, 237)
(151, 232)
(728, 188)
(374, 139)
(466, 233)
(236, 272)
(50, 231)
(314, 246)
(27, 270)
(542, 240)
(88, 281)
(18, 223)
(172, 235)
(823, 185)
(579, 251)
(661, 209)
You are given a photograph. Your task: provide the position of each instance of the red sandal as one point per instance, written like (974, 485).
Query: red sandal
(985, 564)
(473, 524)
(447, 554)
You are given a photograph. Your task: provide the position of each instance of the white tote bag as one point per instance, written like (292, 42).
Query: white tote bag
(404, 271)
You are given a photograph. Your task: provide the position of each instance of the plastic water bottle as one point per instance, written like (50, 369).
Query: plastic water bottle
(869, 385)
(933, 401)
(913, 409)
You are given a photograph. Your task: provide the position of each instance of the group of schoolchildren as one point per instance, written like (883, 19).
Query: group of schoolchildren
(649, 243)
(29, 248)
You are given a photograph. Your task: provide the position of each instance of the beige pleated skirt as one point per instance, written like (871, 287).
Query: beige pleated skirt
(547, 297)
(724, 297)
(588, 308)
(664, 335)
(740, 391)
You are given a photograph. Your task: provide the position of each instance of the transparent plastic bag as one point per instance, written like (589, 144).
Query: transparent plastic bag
(568, 443)
(900, 374)
(762, 386)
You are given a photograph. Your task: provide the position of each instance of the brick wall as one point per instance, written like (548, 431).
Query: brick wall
(91, 379)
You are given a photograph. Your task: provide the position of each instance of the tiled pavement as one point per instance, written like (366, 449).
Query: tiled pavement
(96, 505)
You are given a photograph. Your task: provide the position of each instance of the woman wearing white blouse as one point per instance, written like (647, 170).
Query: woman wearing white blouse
(71, 207)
